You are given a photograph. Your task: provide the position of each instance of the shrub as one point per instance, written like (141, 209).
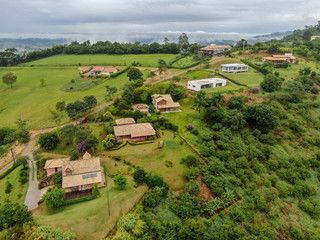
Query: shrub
(310, 206)
(48, 141)
(139, 175)
(120, 181)
(54, 197)
(314, 90)
(190, 161)
(255, 90)
(168, 163)
(152, 198)
(192, 173)
(192, 187)
(74, 155)
(195, 132)
(190, 126)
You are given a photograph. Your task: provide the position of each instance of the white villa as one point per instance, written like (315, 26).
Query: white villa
(234, 67)
(203, 84)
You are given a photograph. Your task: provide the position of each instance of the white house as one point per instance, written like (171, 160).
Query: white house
(235, 67)
(203, 84)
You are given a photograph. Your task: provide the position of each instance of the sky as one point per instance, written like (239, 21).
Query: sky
(124, 19)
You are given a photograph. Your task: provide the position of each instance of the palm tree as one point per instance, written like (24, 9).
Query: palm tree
(200, 101)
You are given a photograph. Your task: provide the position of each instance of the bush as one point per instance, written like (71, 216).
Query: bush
(48, 141)
(113, 75)
(255, 90)
(195, 132)
(74, 155)
(119, 146)
(139, 175)
(54, 197)
(168, 163)
(192, 187)
(192, 173)
(311, 206)
(139, 143)
(314, 90)
(190, 161)
(152, 198)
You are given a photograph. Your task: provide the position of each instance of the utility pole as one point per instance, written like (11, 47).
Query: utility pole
(12, 153)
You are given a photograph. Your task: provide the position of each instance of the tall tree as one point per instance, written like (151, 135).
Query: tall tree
(9, 79)
(184, 42)
(134, 74)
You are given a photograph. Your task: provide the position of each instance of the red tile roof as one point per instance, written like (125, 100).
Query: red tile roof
(110, 70)
(97, 68)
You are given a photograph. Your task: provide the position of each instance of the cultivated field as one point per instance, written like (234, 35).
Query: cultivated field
(147, 60)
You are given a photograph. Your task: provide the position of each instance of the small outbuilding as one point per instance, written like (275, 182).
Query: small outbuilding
(124, 121)
(203, 84)
(144, 108)
(234, 67)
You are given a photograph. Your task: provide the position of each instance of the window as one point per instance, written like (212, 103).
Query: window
(219, 85)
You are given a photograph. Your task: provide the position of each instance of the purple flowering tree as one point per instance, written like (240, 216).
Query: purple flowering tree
(255, 90)
(190, 126)
(82, 147)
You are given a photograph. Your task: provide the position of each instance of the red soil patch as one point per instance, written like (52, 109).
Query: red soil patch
(205, 192)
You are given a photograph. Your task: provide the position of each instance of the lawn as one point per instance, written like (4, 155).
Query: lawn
(147, 60)
(28, 100)
(153, 159)
(90, 220)
(13, 178)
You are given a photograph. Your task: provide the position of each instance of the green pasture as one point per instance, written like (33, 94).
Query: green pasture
(152, 158)
(91, 219)
(146, 60)
(28, 100)
(184, 62)
(17, 188)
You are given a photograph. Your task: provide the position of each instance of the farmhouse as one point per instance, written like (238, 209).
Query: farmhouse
(77, 175)
(54, 166)
(108, 71)
(81, 175)
(214, 50)
(281, 60)
(234, 67)
(102, 71)
(203, 84)
(144, 108)
(134, 132)
(164, 103)
(125, 121)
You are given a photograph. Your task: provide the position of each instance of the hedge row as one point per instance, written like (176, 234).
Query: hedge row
(119, 146)
(6, 173)
(176, 60)
(139, 143)
(231, 80)
(256, 67)
(78, 200)
(112, 75)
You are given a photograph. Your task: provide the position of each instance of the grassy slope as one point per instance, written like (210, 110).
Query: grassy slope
(184, 62)
(153, 159)
(147, 60)
(13, 178)
(90, 219)
(30, 101)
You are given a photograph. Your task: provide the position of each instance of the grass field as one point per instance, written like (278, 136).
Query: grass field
(184, 62)
(90, 220)
(153, 159)
(147, 60)
(28, 100)
(13, 178)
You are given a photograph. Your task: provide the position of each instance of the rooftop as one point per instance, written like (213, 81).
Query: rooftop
(233, 64)
(169, 103)
(55, 163)
(123, 121)
(134, 130)
(206, 81)
(109, 70)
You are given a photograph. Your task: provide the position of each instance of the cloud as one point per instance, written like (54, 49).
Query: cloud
(124, 17)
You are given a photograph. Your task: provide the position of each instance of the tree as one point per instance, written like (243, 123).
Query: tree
(271, 83)
(192, 229)
(74, 155)
(42, 82)
(9, 79)
(236, 102)
(307, 35)
(95, 190)
(109, 141)
(192, 187)
(48, 140)
(23, 160)
(183, 42)
(166, 40)
(54, 197)
(162, 66)
(21, 123)
(152, 198)
(92, 141)
(67, 133)
(14, 214)
(139, 175)
(120, 181)
(151, 74)
(149, 98)
(110, 91)
(61, 106)
(190, 161)
(134, 74)
(82, 147)
(90, 101)
(273, 48)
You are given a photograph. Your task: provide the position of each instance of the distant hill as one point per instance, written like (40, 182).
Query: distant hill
(267, 37)
(29, 44)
